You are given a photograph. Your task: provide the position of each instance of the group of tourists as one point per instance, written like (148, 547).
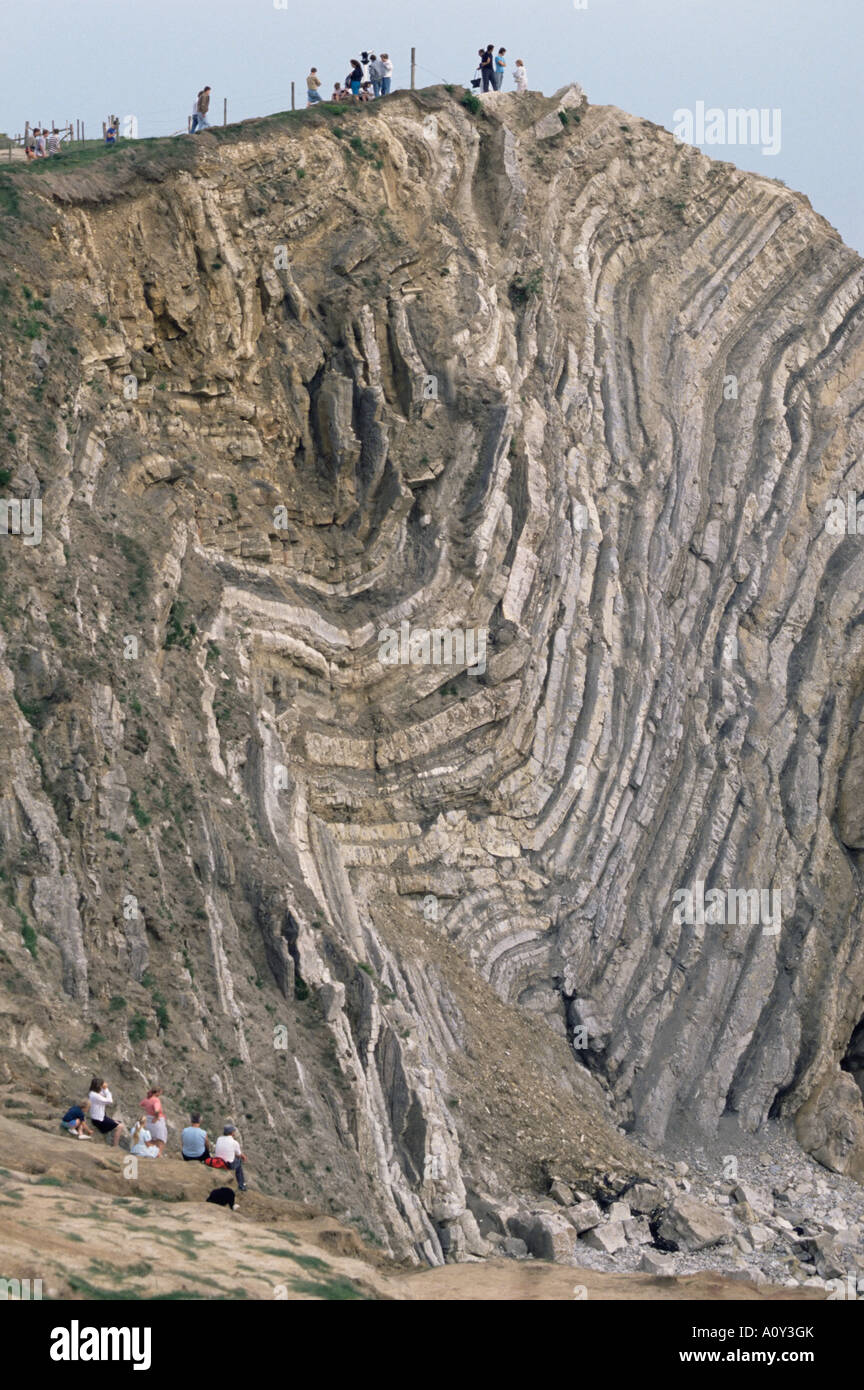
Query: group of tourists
(369, 77)
(491, 69)
(149, 1134)
(45, 142)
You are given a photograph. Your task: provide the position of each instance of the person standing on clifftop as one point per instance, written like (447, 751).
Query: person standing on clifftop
(487, 68)
(354, 78)
(520, 76)
(500, 65)
(313, 82)
(199, 115)
(152, 1108)
(374, 74)
(385, 67)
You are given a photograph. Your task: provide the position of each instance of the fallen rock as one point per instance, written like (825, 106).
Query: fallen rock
(584, 1216)
(514, 1248)
(608, 1238)
(644, 1198)
(561, 1193)
(652, 1262)
(826, 1256)
(743, 1193)
(690, 1225)
(637, 1230)
(547, 1237)
(830, 1126)
(759, 1235)
(619, 1211)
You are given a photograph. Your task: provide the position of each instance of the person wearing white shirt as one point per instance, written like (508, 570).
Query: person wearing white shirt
(227, 1148)
(385, 67)
(139, 1141)
(99, 1097)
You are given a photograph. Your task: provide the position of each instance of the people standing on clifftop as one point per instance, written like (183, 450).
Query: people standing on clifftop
(99, 1097)
(152, 1108)
(313, 82)
(520, 76)
(199, 114)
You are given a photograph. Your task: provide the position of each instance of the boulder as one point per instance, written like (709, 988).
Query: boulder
(547, 1236)
(608, 1238)
(759, 1235)
(653, 1262)
(514, 1248)
(561, 1193)
(644, 1197)
(824, 1252)
(619, 1211)
(551, 1238)
(689, 1225)
(743, 1193)
(490, 1217)
(830, 1126)
(584, 1216)
(637, 1230)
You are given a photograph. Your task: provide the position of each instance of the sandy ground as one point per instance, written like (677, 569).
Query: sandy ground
(78, 1217)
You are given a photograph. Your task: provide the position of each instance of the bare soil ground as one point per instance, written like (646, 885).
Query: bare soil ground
(77, 1216)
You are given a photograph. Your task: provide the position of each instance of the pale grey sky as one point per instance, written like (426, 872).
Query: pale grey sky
(86, 58)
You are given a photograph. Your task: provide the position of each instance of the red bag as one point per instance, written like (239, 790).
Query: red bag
(215, 1162)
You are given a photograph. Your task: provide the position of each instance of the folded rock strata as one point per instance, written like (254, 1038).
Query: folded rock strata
(541, 374)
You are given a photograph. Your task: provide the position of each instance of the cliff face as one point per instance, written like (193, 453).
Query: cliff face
(539, 375)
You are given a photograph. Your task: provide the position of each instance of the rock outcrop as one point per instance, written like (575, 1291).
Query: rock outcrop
(434, 589)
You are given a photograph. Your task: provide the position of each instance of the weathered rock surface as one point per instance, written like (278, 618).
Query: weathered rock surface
(570, 384)
(690, 1225)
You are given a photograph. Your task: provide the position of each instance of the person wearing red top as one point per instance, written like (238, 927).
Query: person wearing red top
(152, 1108)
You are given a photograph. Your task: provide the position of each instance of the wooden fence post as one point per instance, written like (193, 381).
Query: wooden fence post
(413, 67)
(224, 110)
(292, 96)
